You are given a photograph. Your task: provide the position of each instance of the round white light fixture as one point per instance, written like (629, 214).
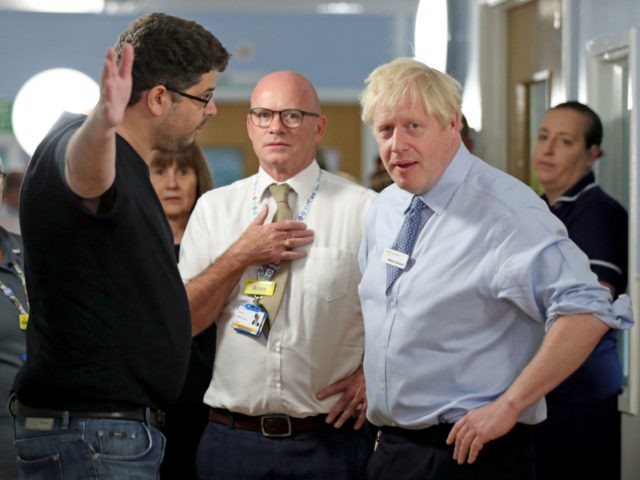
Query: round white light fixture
(44, 97)
(432, 33)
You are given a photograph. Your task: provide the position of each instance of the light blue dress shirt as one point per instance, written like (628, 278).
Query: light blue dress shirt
(492, 268)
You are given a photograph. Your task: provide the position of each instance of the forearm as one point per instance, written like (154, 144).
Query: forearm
(90, 158)
(209, 291)
(566, 345)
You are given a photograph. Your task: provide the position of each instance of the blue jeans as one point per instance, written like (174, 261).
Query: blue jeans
(83, 448)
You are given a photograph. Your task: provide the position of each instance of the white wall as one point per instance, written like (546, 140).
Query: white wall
(589, 21)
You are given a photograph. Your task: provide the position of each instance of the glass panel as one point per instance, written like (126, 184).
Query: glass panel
(613, 168)
(609, 93)
(538, 104)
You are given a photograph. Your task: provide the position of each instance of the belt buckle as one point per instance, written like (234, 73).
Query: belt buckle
(264, 427)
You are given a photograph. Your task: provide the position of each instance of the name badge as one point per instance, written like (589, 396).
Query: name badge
(261, 288)
(249, 319)
(395, 258)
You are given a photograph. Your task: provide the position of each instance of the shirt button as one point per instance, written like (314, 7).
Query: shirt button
(276, 348)
(392, 304)
(383, 345)
(381, 387)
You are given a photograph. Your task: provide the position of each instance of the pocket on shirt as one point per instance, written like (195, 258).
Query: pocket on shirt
(328, 272)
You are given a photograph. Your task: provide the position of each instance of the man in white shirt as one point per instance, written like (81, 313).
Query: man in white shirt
(292, 386)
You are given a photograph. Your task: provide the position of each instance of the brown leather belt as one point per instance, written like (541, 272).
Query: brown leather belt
(141, 414)
(272, 425)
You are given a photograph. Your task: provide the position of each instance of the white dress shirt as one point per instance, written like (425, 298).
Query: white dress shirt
(318, 336)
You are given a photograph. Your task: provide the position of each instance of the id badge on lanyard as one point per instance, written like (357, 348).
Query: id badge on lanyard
(250, 318)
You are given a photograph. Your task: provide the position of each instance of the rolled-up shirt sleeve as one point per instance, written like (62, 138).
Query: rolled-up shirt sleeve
(559, 281)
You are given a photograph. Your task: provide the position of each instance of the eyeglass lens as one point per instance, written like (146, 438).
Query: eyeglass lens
(291, 117)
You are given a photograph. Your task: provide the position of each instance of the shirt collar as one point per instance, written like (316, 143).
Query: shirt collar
(587, 181)
(438, 196)
(302, 183)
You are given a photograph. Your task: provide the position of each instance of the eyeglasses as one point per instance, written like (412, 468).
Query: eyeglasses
(291, 117)
(205, 100)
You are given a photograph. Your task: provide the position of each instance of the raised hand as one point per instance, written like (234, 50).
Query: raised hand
(91, 153)
(115, 86)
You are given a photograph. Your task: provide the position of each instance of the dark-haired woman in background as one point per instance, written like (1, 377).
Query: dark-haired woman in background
(581, 436)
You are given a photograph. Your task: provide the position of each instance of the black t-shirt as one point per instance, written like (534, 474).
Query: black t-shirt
(109, 325)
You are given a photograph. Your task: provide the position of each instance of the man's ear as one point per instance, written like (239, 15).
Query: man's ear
(321, 127)
(249, 127)
(158, 98)
(455, 122)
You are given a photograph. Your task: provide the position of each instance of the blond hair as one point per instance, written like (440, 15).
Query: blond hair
(388, 85)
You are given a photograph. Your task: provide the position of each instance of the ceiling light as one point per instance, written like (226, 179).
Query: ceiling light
(340, 8)
(34, 113)
(432, 33)
(56, 6)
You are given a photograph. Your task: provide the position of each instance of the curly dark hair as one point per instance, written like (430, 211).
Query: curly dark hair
(171, 51)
